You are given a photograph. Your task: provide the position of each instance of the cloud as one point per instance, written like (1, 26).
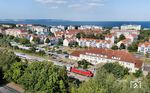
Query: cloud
(78, 4)
(95, 4)
(74, 5)
(54, 7)
(52, 1)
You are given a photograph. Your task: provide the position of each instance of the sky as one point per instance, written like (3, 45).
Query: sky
(76, 10)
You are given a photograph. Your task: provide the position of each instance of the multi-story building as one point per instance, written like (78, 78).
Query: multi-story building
(15, 32)
(72, 33)
(71, 27)
(97, 43)
(96, 56)
(68, 40)
(39, 30)
(144, 47)
(126, 33)
(89, 27)
(131, 27)
(127, 42)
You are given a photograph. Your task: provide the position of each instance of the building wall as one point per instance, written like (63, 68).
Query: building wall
(96, 59)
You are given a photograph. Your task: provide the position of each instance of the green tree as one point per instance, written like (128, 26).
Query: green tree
(138, 73)
(117, 70)
(121, 37)
(47, 40)
(15, 72)
(7, 58)
(122, 46)
(44, 77)
(24, 41)
(36, 40)
(16, 39)
(114, 47)
(78, 35)
(133, 47)
(60, 42)
(73, 44)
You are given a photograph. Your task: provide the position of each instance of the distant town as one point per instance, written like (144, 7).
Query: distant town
(81, 49)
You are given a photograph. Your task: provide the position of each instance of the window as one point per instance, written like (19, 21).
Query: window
(142, 48)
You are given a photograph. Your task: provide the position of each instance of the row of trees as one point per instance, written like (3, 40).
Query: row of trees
(83, 64)
(39, 77)
(45, 77)
(34, 77)
(94, 36)
(6, 39)
(107, 81)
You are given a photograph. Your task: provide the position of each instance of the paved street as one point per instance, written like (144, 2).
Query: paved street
(29, 57)
(6, 89)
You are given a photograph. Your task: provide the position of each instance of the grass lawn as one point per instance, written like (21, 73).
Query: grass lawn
(146, 60)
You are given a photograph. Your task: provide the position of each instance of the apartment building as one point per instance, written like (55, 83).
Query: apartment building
(96, 56)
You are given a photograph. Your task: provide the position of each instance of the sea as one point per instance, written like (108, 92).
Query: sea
(49, 22)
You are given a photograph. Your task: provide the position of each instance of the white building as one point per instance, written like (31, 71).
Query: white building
(96, 56)
(15, 32)
(126, 42)
(90, 27)
(68, 40)
(97, 43)
(39, 30)
(131, 27)
(126, 33)
(144, 47)
(71, 27)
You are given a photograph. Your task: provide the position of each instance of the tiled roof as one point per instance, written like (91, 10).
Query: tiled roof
(122, 55)
(146, 44)
(96, 40)
(72, 32)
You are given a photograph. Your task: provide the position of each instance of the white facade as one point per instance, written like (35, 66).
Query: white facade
(101, 57)
(131, 27)
(144, 48)
(68, 40)
(126, 33)
(15, 32)
(86, 42)
(89, 27)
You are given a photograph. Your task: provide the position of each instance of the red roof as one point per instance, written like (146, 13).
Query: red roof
(146, 44)
(123, 55)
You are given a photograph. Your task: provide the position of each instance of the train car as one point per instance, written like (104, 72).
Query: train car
(81, 72)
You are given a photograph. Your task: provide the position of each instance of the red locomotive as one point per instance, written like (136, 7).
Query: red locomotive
(81, 71)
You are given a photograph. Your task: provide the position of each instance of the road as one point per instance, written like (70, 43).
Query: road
(40, 59)
(6, 89)
(29, 57)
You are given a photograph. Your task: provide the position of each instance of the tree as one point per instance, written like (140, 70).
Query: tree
(36, 40)
(32, 49)
(138, 73)
(83, 64)
(47, 40)
(44, 77)
(63, 37)
(78, 35)
(16, 39)
(114, 47)
(122, 46)
(73, 44)
(24, 41)
(121, 37)
(15, 72)
(117, 70)
(60, 42)
(7, 58)
(133, 47)
(62, 86)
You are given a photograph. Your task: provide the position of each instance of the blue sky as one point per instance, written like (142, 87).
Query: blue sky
(78, 10)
